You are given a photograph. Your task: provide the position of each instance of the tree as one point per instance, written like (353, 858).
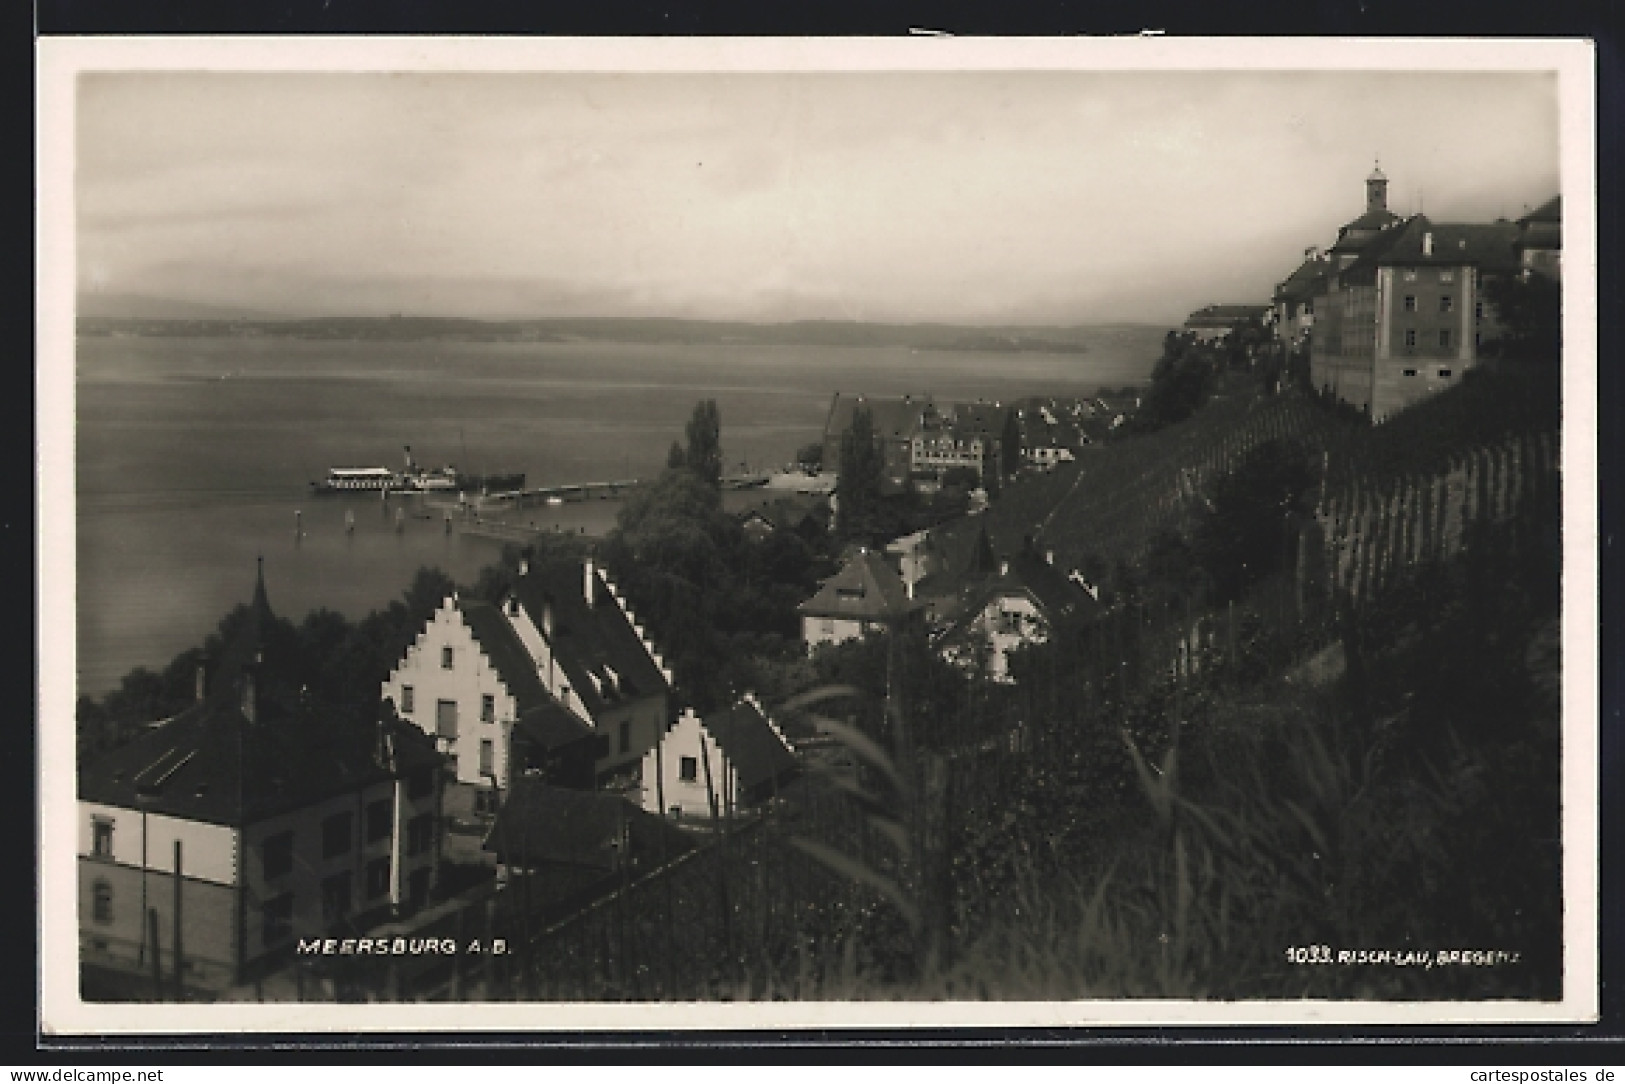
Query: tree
(857, 485)
(1531, 314)
(1242, 538)
(703, 455)
(1180, 383)
(675, 459)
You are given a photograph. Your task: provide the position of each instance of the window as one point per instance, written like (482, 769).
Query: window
(1410, 372)
(379, 820)
(1410, 302)
(420, 784)
(336, 835)
(277, 919)
(445, 719)
(1446, 303)
(488, 762)
(1447, 276)
(101, 837)
(1410, 274)
(377, 878)
(445, 658)
(276, 855)
(1478, 310)
(1444, 374)
(488, 708)
(1478, 339)
(1444, 337)
(406, 700)
(827, 626)
(102, 902)
(1410, 336)
(688, 769)
(485, 803)
(420, 834)
(626, 737)
(1010, 622)
(335, 897)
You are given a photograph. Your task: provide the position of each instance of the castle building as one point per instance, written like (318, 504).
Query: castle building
(1399, 306)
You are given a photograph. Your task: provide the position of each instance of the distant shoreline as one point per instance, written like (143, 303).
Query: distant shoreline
(999, 339)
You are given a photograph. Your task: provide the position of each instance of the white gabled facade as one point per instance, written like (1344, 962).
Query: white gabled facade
(1008, 620)
(446, 687)
(674, 772)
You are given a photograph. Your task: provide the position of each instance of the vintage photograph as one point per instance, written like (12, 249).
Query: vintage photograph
(917, 529)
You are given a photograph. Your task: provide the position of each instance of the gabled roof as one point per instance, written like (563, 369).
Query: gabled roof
(982, 419)
(1027, 574)
(1349, 235)
(1303, 283)
(539, 823)
(211, 764)
(962, 552)
(1550, 211)
(750, 743)
(506, 654)
(865, 589)
(552, 726)
(1489, 247)
(1224, 315)
(893, 418)
(589, 641)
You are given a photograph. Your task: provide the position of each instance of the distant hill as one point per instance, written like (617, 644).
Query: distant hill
(144, 307)
(146, 316)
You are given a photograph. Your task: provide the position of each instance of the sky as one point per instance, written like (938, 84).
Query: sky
(1045, 197)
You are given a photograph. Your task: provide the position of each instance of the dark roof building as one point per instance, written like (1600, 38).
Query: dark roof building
(253, 747)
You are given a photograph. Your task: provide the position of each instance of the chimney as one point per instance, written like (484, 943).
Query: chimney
(524, 566)
(547, 618)
(587, 577)
(1049, 557)
(1004, 566)
(1427, 244)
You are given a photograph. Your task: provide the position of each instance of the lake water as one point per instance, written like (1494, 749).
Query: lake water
(193, 456)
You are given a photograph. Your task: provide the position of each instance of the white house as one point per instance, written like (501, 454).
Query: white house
(864, 596)
(481, 678)
(700, 769)
(1016, 608)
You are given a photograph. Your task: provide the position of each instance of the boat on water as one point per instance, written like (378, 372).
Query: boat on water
(415, 479)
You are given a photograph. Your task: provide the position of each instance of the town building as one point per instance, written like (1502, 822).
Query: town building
(1540, 240)
(559, 674)
(1017, 607)
(703, 769)
(1397, 309)
(252, 819)
(865, 596)
(1408, 316)
(896, 421)
(1215, 322)
(1295, 298)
